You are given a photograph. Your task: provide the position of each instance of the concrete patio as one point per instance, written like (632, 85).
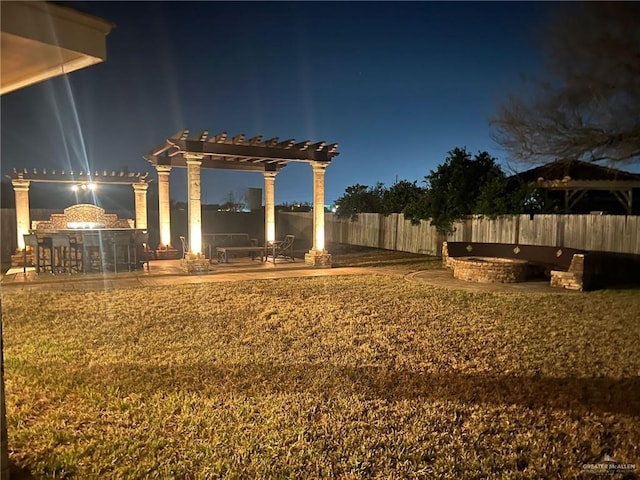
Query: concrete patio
(168, 272)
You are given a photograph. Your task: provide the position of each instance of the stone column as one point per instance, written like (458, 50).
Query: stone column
(194, 205)
(140, 197)
(164, 206)
(270, 206)
(318, 256)
(23, 221)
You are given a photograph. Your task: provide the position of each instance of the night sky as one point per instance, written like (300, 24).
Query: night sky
(396, 85)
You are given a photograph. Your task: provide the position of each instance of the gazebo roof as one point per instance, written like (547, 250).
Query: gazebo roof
(576, 174)
(575, 178)
(238, 153)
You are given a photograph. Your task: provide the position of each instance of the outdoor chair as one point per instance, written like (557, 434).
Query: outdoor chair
(282, 248)
(141, 250)
(185, 247)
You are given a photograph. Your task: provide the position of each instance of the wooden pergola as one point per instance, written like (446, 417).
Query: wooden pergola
(245, 154)
(22, 179)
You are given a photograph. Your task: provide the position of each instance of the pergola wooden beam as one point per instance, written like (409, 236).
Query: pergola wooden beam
(237, 147)
(572, 197)
(219, 163)
(610, 185)
(625, 197)
(574, 190)
(317, 152)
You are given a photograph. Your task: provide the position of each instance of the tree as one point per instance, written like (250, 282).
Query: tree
(400, 195)
(588, 105)
(509, 196)
(360, 199)
(454, 188)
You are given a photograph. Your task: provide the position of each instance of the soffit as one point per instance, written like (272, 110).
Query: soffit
(41, 40)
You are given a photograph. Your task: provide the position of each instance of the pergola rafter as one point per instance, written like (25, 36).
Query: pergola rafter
(253, 154)
(238, 151)
(62, 176)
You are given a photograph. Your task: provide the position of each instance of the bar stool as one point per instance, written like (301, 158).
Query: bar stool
(60, 247)
(44, 254)
(92, 252)
(122, 243)
(42, 251)
(75, 253)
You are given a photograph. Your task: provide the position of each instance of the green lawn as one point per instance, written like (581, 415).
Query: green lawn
(338, 377)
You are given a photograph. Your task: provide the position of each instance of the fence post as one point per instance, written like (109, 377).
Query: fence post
(560, 231)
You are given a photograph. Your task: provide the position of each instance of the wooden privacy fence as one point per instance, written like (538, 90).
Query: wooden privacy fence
(608, 233)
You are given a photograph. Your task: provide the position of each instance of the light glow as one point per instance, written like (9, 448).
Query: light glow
(194, 206)
(165, 235)
(195, 238)
(164, 212)
(320, 237)
(269, 206)
(81, 225)
(271, 230)
(21, 188)
(318, 206)
(83, 186)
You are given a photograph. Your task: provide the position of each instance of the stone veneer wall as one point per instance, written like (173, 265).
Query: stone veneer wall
(318, 259)
(195, 265)
(446, 260)
(83, 212)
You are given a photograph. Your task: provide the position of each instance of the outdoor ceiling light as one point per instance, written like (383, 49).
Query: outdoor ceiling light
(83, 186)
